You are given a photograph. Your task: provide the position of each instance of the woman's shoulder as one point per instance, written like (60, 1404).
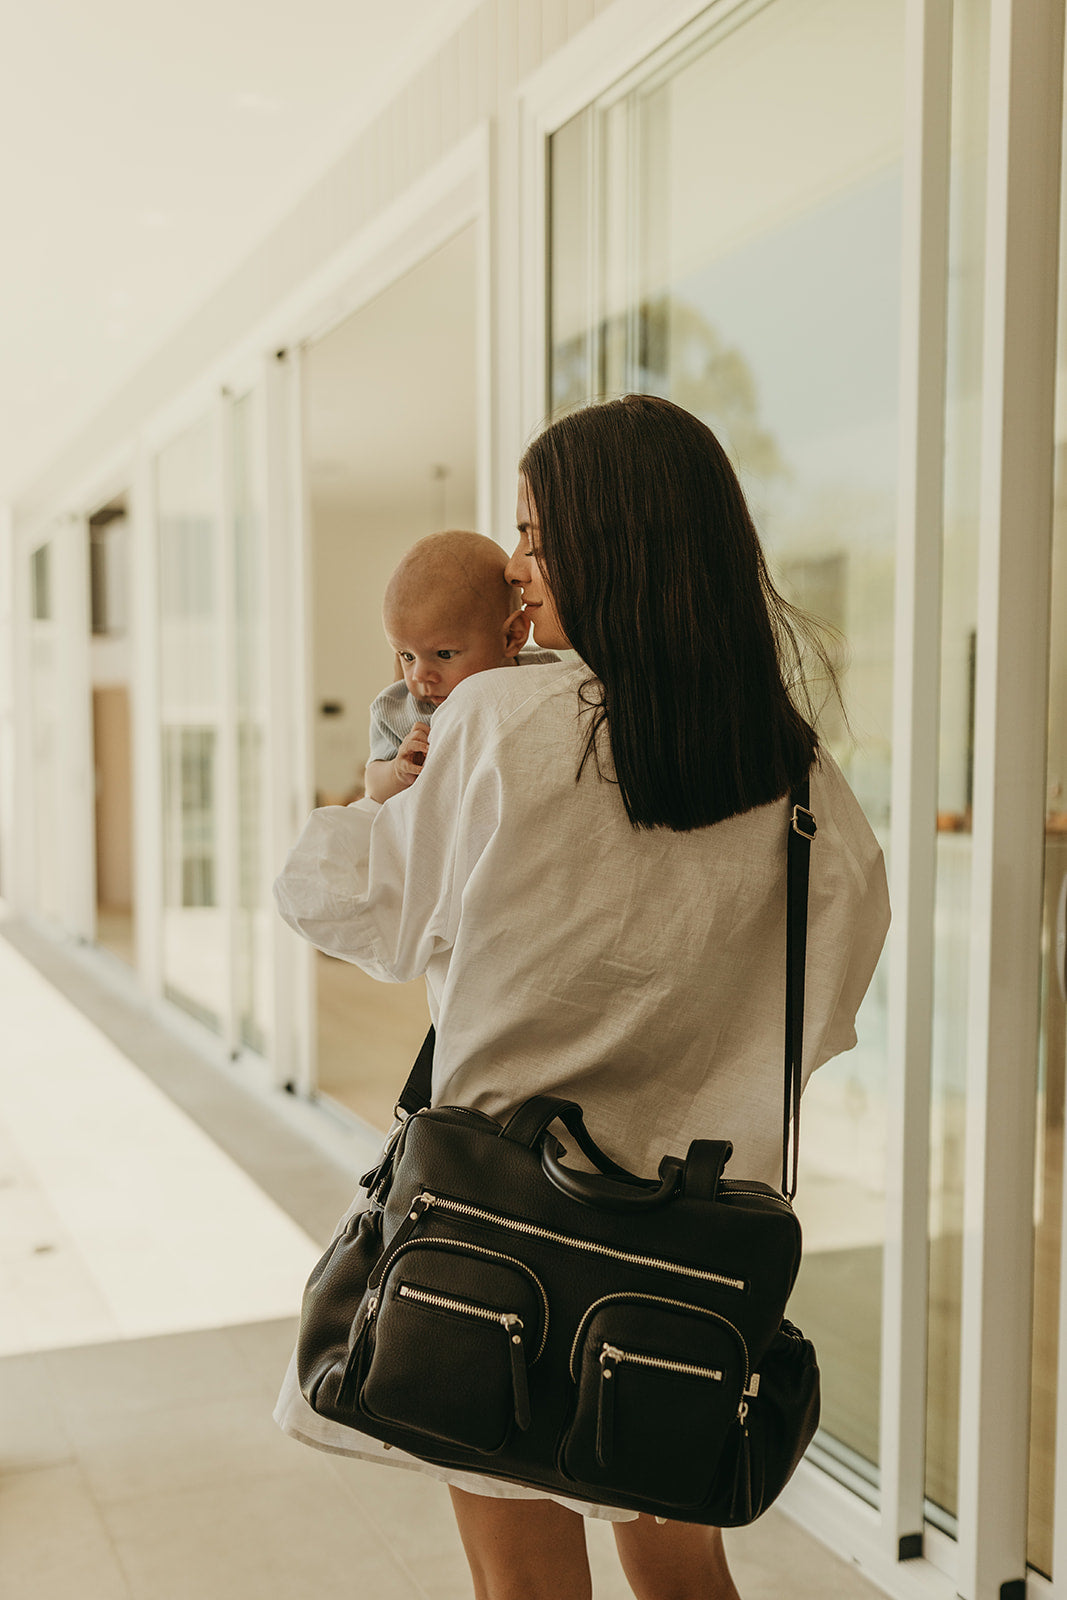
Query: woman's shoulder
(839, 814)
(502, 694)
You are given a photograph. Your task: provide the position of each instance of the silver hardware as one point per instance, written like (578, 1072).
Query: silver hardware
(752, 1387)
(656, 1300)
(727, 1193)
(809, 828)
(687, 1368)
(447, 1302)
(531, 1230)
(484, 1254)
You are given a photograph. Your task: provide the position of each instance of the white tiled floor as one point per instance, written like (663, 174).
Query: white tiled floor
(138, 1460)
(119, 1217)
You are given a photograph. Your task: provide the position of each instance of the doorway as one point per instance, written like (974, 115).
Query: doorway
(110, 673)
(391, 451)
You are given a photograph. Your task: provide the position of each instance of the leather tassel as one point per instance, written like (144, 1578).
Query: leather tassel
(518, 1379)
(741, 1498)
(605, 1414)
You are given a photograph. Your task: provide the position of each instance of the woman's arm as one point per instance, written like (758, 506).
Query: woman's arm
(381, 885)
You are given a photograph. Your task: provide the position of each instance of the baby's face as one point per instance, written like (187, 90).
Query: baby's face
(437, 653)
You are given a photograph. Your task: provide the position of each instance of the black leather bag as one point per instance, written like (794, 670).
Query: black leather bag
(611, 1338)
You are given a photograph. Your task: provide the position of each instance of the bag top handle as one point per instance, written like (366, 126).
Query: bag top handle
(415, 1095)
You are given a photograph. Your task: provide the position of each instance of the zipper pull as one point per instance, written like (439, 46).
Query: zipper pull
(750, 1391)
(372, 1307)
(519, 1385)
(605, 1410)
(419, 1206)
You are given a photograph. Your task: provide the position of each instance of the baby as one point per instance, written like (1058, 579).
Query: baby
(448, 612)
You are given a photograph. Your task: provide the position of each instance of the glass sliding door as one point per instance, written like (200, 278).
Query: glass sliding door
(956, 755)
(1052, 1064)
(744, 261)
(385, 464)
(46, 728)
(195, 938)
(254, 911)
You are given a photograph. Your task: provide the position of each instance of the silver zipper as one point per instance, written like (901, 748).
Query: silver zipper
(656, 1300)
(532, 1230)
(610, 1352)
(758, 1194)
(446, 1302)
(475, 1250)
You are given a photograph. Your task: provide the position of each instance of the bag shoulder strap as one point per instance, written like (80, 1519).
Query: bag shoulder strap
(802, 830)
(415, 1095)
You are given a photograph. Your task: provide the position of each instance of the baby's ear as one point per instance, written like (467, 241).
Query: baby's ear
(515, 631)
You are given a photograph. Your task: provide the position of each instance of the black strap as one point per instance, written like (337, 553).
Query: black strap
(415, 1095)
(802, 831)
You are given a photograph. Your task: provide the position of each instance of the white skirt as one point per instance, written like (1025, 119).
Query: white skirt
(295, 1417)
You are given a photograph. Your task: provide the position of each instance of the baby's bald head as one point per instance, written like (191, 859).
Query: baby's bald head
(455, 575)
(448, 613)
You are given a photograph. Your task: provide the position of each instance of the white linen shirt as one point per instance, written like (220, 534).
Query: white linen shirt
(565, 952)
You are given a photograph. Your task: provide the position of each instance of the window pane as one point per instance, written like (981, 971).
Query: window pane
(252, 942)
(956, 766)
(195, 964)
(749, 230)
(570, 311)
(48, 806)
(42, 583)
(1052, 1064)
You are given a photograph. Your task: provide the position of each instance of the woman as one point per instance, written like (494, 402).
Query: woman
(590, 872)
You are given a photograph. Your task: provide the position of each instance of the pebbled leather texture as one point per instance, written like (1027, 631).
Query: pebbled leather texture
(466, 1318)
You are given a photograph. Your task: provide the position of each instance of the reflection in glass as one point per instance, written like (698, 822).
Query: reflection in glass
(570, 312)
(252, 932)
(1052, 1063)
(956, 754)
(747, 206)
(45, 725)
(195, 963)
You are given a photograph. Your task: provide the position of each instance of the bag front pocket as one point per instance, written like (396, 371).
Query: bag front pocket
(659, 1384)
(454, 1330)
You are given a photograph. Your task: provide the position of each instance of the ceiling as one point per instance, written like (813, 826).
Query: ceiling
(145, 150)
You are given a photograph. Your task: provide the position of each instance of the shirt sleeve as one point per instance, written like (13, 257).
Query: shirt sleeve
(868, 936)
(383, 741)
(382, 885)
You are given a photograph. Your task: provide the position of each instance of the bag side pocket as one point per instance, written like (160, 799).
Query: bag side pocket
(659, 1384)
(781, 1415)
(327, 1326)
(454, 1333)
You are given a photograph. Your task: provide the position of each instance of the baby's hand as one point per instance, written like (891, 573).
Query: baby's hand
(407, 763)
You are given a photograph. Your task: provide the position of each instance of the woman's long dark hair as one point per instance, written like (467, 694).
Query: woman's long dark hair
(661, 587)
